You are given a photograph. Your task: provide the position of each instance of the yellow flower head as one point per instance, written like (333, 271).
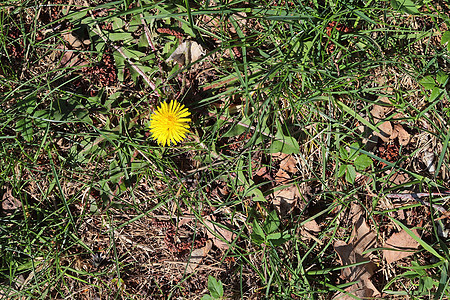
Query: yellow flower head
(168, 124)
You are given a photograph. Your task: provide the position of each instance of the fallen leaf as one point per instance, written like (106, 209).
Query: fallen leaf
(385, 131)
(362, 239)
(403, 243)
(312, 226)
(188, 49)
(379, 112)
(69, 58)
(362, 236)
(403, 136)
(281, 177)
(285, 199)
(287, 162)
(428, 160)
(9, 202)
(74, 41)
(263, 174)
(197, 256)
(361, 273)
(398, 177)
(224, 233)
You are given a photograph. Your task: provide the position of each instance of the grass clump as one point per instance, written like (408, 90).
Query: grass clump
(317, 149)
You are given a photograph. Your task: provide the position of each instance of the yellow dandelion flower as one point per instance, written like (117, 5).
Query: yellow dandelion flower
(169, 123)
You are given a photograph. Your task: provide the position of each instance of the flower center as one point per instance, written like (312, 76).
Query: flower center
(171, 120)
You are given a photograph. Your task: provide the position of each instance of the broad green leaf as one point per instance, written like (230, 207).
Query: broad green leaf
(143, 43)
(133, 54)
(342, 170)
(119, 36)
(253, 190)
(428, 82)
(120, 65)
(354, 148)
(442, 78)
(272, 222)
(362, 161)
(117, 23)
(428, 283)
(343, 153)
(258, 235)
(445, 37)
(278, 238)
(435, 93)
(24, 126)
(115, 172)
(76, 16)
(283, 143)
(237, 129)
(41, 118)
(350, 174)
(215, 287)
(407, 6)
(274, 236)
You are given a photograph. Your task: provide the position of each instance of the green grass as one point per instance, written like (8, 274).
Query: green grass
(83, 176)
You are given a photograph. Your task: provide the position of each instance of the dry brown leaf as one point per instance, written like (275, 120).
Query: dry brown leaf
(403, 136)
(287, 162)
(188, 49)
(197, 256)
(285, 199)
(401, 241)
(361, 273)
(428, 160)
(263, 174)
(74, 41)
(379, 112)
(9, 202)
(385, 131)
(281, 177)
(226, 234)
(362, 239)
(398, 177)
(312, 226)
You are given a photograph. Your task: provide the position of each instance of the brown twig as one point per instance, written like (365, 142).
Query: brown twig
(417, 196)
(147, 32)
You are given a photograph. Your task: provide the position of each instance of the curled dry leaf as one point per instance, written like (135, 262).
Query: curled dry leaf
(379, 112)
(398, 177)
(263, 174)
(363, 287)
(428, 160)
(186, 53)
(74, 41)
(9, 202)
(197, 256)
(287, 162)
(286, 199)
(281, 177)
(224, 233)
(362, 239)
(404, 246)
(310, 230)
(312, 226)
(403, 136)
(385, 131)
